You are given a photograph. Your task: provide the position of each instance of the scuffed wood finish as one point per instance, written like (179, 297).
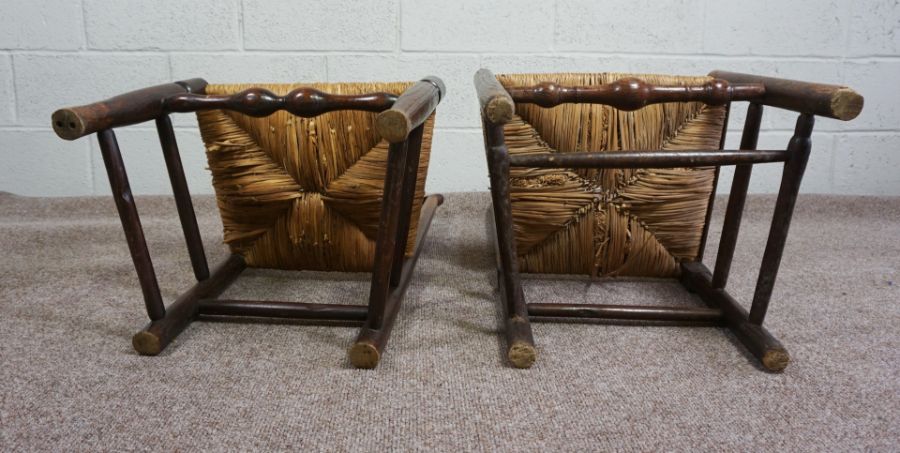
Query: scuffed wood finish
(130, 108)
(304, 101)
(497, 105)
(631, 93)
(832, 101)
(413, 107)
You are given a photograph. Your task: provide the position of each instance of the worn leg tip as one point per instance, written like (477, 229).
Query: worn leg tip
(364, 355)
(145, 343)
(776, 360)
(521, 355)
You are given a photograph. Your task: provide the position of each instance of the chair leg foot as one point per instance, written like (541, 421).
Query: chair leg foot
(770, 353)
(146, 343)
(364, 355)
(775, 360)
(521, 354)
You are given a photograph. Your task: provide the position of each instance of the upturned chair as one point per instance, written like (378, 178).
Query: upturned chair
(614, 175)
(326, 177)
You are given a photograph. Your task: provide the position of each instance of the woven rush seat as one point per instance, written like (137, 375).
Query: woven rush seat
(609, 222)
(303, 193)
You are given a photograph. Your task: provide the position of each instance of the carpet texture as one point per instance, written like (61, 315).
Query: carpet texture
(70, 381)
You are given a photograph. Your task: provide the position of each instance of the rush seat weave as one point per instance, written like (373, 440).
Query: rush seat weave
(303, 193)
(609, 222)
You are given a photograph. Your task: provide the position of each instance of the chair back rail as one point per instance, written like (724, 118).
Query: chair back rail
(632, 93)
(416, 105)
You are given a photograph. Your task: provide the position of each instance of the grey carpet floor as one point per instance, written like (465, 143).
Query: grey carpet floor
(69, 380)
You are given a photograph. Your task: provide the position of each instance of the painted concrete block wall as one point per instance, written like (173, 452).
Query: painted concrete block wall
(55, 53)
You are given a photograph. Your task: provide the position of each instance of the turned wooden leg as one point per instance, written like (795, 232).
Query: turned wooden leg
(519, 341)
(758, 341)
(131, 223)
(159, 333)
(798, 155)
(367, 350)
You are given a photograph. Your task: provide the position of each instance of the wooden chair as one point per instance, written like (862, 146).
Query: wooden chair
(614, 175)
(323, 177)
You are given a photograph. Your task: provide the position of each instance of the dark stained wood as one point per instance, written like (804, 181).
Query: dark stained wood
(129, 108)
(631, 93)
(413, 107)
(159, 333)
(739, 185)
(626, 312)
(286, 310)
(182, 197)
(304, 101)
(832, 101)
(520, 350)
(386, 240)
(407, 198)
(798, 149)
(647, 159)
(497, 106)
(758, 341)
(131, 223)
(367, 350)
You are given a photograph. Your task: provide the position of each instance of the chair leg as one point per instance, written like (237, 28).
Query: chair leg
(367, 350)
(407, 198)
(792, 175)
(131, 223)
(153, 338)
(519, 341)
(758, 341)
